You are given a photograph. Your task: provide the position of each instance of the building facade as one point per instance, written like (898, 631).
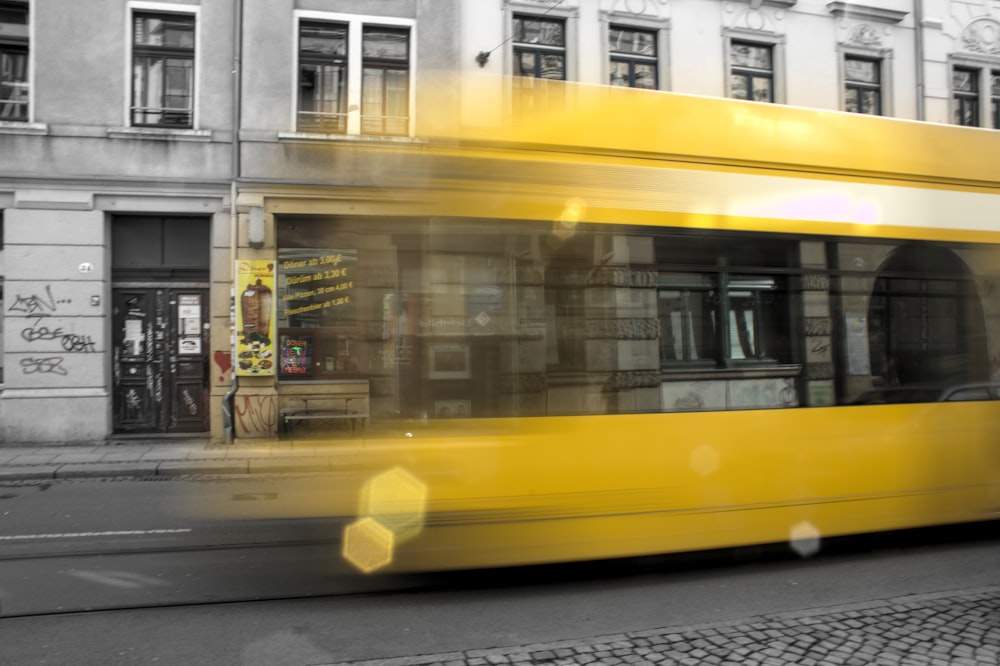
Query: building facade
(165, 183)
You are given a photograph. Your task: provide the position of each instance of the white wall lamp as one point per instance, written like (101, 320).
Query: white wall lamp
(256, 230)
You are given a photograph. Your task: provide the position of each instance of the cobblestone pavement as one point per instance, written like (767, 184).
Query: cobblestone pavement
(944, 629)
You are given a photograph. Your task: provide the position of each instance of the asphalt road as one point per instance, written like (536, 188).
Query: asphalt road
(208, 591)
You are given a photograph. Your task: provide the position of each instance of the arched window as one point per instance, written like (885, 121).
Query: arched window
(926, 321)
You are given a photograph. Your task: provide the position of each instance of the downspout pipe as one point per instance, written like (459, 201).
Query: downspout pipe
(229, 399)
(918, 33)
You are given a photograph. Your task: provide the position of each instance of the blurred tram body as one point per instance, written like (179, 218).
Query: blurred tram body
(652, 313)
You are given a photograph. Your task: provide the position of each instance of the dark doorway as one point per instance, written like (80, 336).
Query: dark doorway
(160, 332)
(926, 321)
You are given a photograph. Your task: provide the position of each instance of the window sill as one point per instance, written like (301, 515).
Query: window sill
(160, 134)
(18, 127)
(312, 137)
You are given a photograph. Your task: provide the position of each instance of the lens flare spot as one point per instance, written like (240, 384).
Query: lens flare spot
(705, 460)
(804, 539)
(397, 500)
(368, 545)
(573, 211)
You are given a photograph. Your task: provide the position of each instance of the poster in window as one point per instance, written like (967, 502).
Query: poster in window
(449, 361)
(858, 360)
(297, 355)
(255, 318)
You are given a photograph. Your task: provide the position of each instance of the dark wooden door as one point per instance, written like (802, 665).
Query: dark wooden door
(160, 360)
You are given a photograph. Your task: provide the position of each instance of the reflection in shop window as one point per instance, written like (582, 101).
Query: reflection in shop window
(317, 320)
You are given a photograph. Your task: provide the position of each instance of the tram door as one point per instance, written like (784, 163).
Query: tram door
(160, 360)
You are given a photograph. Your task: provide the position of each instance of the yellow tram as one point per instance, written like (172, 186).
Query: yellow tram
(630, 322)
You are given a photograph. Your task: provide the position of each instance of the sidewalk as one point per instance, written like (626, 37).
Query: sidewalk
(170, 458)
(941, 629)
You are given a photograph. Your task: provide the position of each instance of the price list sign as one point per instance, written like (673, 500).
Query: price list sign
(319, 287)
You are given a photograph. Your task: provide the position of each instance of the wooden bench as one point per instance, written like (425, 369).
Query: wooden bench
(293, 415)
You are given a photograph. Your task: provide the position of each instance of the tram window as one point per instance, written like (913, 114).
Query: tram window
(687, 320)
(755, 315)
(718, 321)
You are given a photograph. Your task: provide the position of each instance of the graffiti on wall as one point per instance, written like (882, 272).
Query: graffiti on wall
(38, 309)
(256, 415)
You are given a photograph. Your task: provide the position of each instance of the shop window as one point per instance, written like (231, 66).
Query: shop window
(317, 313)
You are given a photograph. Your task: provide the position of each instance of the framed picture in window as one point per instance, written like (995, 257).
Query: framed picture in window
(449, 361)
(452, 409)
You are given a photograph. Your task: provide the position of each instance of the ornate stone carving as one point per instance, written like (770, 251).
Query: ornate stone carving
(622, 329)
(982, 35)
(638, 7)
(864, 34)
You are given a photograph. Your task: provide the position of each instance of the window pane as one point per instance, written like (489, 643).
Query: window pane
(384, 101)
(738, 86)
(742, 326)
(964, 80)
(645, 77)
(323, 40)
(625, 40)
(553, 66)
(865, 71)
(386, 44)
(13, 85)
(524, 64)
(14, 22)
(544, 32)
(618, 74)
(871, 102)
(762, 89)
(995, 83)
(851, 100)
(750, 55)
(175, 31)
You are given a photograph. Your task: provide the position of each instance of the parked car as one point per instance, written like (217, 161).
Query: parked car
(890, 395)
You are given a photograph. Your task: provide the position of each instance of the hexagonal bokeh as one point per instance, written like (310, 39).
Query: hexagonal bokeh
(368, 545)
(397, 500)
(805, 539)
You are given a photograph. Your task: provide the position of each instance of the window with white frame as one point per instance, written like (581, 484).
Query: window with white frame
(539, 47)
(975, 92)
(633, 57)
(863, 85)
(751, 71)
(15, 94)
(354, 76)
(163, 53)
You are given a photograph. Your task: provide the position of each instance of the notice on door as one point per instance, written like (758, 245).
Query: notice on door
(255, 318)
(189, 324)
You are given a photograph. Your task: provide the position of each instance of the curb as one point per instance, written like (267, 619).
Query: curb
(166, 469)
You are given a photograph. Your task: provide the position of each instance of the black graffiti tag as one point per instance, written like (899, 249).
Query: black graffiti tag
(42, 366)
(35, 304)
(37, 332)
(78, 344)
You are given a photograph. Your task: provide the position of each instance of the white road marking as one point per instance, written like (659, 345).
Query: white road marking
(122, 579)
(84, 535)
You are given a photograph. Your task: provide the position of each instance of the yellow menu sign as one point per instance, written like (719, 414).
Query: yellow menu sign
(254, 318)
